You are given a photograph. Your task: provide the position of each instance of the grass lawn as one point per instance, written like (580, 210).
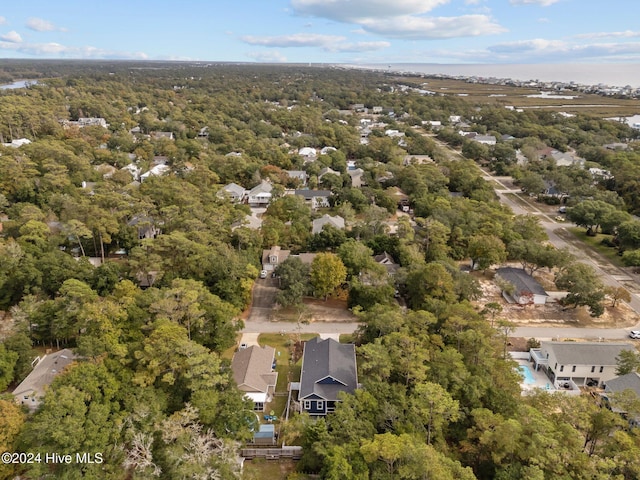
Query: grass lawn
(286, 372)
(228, 353)
(261, 469)
(610, 253)
(347, 338)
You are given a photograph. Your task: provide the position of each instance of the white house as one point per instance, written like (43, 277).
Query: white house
(485, 139)
(260, 194)
(315, 198)
(156, 171)
(308, 152)
(581, 363)
(17, 143)
(327, 150)
(233, 191)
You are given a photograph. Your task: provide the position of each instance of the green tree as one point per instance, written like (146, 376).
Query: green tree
(628, 362)
(11, 423)
(434, 408)
(486, 250)
(590, 214)
(293, 278)
(428, 286)
(584, 287)
(8, 360)
(327, 273)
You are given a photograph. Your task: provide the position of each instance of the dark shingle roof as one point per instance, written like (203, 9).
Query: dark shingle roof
(521, 280)
(630, 381)
(328, 358)
(309, 194)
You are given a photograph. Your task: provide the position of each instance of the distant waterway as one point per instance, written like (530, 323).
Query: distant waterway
(612, 74)
(18, 84)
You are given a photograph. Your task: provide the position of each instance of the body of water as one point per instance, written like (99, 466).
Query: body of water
(18, 84)
(612, 74)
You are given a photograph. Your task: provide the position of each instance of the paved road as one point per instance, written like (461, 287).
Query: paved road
(562, 333)
(262, 300)
(560, 237)
(265, 326)
(259, 320)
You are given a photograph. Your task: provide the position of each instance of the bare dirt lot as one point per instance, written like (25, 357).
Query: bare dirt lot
(317, 310)
(553, 314)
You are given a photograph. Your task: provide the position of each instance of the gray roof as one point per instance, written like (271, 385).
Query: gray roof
(630, 381)
(319, 223)
(234, 189)
(328, 359)
(252, 370)
(263, 187)
(309, 194)
(586, 353)
(521, 280)
(43, 374)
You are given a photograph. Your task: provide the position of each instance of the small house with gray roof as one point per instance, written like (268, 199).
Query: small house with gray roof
(32, 389)
(328, 368)
(253, 373)
(526, 289)
(234, 192)
(320, 223)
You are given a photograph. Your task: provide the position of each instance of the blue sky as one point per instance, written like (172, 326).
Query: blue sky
(328, 31)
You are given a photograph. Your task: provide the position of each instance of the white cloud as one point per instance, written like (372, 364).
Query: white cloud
(3, 21)
(270, 56)
(354, 10)
(294, 40)
(541, 50)
(360, 47)
(542, 3)
(625, 34)
(329, 43)
(41, 25)
(400, 18)
(12, 36)
(58, 50)
(544, 20)
(436, 27)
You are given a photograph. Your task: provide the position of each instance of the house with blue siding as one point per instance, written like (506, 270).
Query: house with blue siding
(328, 368)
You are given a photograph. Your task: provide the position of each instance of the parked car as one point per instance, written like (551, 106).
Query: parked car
(263, 274)
(634, 334)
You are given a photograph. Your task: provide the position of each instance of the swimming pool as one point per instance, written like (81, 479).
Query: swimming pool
(526, 374)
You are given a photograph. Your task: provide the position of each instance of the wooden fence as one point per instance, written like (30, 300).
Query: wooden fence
(294, 453)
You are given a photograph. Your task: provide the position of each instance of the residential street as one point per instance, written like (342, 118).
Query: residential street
(260, 318)
(559, 236)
